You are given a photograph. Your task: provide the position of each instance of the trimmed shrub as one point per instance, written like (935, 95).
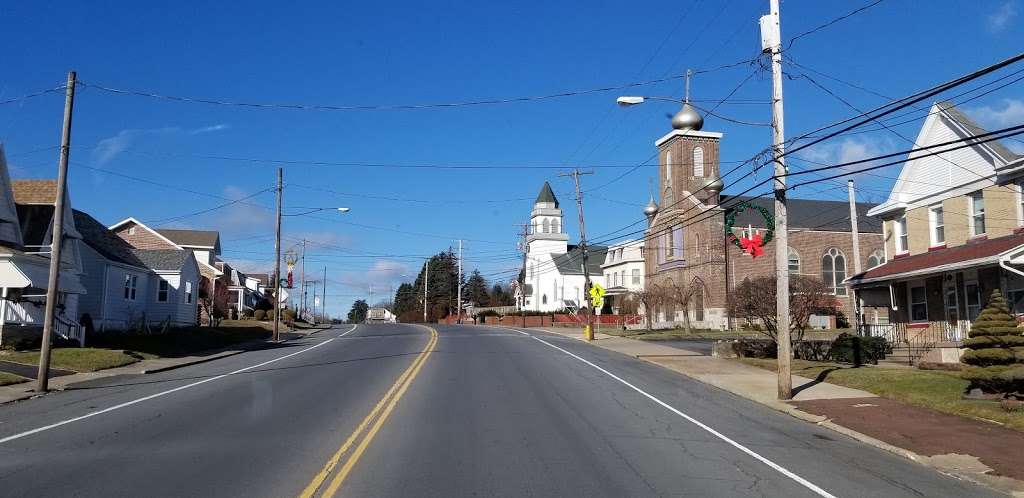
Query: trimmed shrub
(857, 350)
(996, 350)
(260, 314)
(288, 315)
(486, 313)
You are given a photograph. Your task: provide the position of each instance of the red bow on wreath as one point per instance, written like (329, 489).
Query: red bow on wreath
(753, 245)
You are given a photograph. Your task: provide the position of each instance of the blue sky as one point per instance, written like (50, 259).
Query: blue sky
(371, 53)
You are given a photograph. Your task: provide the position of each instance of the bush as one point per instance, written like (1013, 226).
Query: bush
(288, 314)
(857, 350)
(996, 350)
(31, 343)
(270, 314)
(996, 379)
(931, 365)
(486, 313)
(988, 357)
(260, 314)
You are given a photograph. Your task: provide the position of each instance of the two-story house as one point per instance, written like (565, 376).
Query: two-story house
(623, 274)
(953, 233)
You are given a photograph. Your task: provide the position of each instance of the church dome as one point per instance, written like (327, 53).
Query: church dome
(715, 185)
(687, 119)
(651, 209)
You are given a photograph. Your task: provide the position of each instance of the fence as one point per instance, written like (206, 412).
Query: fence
(918, 339)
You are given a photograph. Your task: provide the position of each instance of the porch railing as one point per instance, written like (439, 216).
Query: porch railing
(69, 329)
(918, 340)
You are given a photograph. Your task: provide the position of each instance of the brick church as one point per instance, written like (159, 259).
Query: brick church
(685, 243)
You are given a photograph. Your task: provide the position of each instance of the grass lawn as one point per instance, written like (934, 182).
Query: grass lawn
(8, 379)
(77, 359)
(939, 390)
(182, 342)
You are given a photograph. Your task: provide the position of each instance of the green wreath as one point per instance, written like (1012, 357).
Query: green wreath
(730, 220)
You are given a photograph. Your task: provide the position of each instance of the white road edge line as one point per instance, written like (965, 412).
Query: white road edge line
(782, 470)
(164, 393)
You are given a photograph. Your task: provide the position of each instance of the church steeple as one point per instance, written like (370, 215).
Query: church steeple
(546, 229)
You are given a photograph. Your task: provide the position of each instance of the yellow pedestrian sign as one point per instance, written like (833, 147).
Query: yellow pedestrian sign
(596, 296)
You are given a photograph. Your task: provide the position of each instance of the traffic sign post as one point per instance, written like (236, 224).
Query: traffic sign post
(596, 302)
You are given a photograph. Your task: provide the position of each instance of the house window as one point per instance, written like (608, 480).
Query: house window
(977, 221)
(973, 301)
(130, 283)
(698, 161)
(938, 226)
(131, 230)
(1015, 292)
(900, 227)
(188, 292)
(833, 271)
(918, 304)
(876, 258)
(1020, 201)
(162, 291)
(794, 261)
(636, 276)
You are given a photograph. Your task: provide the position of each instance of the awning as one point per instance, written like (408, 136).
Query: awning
(21, 275)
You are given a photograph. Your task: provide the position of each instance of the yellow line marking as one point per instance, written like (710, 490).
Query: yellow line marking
(394, 394)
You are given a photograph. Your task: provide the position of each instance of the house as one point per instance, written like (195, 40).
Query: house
(205, 245)
(623, 273)
(128, 286)
(243, 292)
(26, 233)
(953, 233)
(687, 247)
(554, 278)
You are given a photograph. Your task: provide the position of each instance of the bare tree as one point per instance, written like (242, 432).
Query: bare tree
(754, 301)
(649, 298)
(682, 295)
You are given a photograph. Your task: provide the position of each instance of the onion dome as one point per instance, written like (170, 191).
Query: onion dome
(687, 119)
(714, 186)
(651, 209)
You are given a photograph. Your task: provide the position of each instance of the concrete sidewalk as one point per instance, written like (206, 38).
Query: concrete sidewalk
(744, 380)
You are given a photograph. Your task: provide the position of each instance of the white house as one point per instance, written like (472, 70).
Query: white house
(623, 271)
(26, 223)
(554, 278)
(127, 285)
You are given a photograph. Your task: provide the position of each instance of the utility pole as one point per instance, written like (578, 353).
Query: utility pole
(277, 258)
(588, 331)
(771, 41)
(856, 252)
(302, 279)
(323, 300)
(522, 283)
(56, 237)
(458, 304)
(426, 278)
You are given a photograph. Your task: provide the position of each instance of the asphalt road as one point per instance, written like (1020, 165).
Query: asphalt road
(393, 410)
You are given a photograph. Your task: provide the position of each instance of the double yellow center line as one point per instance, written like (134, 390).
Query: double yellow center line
(377, 417)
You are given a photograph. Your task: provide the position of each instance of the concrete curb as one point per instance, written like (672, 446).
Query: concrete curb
(996, 483)
(212, 357)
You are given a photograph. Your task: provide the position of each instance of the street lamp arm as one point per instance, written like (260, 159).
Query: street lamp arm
(317, 210)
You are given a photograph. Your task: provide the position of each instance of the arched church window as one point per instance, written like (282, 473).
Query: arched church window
(544, 299)
(833, 271)
(876, 258)
(698, 301)
(668, 167)
(546, 225)
(554, 226)
(698, 161)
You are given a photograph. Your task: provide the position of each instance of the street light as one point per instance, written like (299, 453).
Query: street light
(312, 210)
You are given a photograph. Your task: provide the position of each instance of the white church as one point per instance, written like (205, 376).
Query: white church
(554, 269)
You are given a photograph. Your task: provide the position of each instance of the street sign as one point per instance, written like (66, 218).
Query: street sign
(596, 296)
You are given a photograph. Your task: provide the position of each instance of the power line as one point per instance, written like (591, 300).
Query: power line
(164, 221)
(33, 95)
(833, 21)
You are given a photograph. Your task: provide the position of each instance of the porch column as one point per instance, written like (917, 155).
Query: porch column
(3, 314)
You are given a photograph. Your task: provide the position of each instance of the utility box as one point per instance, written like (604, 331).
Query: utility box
(770, 37)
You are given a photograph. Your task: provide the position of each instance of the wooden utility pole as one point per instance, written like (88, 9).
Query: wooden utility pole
(277, 258)
(771, 39)
(522, 282)
(588, 331)
(458, 304)
(426, 278)
(302, 280)
(56, 238)
(856, 253)
(323, 299)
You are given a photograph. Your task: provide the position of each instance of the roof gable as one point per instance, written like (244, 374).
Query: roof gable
(127, 223)
(10, 232)
(204, 239)
(103, 241)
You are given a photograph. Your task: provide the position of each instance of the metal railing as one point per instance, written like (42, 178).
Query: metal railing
(918, 340)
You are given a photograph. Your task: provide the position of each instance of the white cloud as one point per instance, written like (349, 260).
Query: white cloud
(1010, 113)
(111, 147)
(1001, 18)
(382, 276)
(848, 150)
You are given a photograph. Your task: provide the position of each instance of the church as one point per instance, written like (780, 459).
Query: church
(554, 278)
(686, 244)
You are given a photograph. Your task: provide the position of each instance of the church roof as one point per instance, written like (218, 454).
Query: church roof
(571, 263)
(810, 214)
(546, 195)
